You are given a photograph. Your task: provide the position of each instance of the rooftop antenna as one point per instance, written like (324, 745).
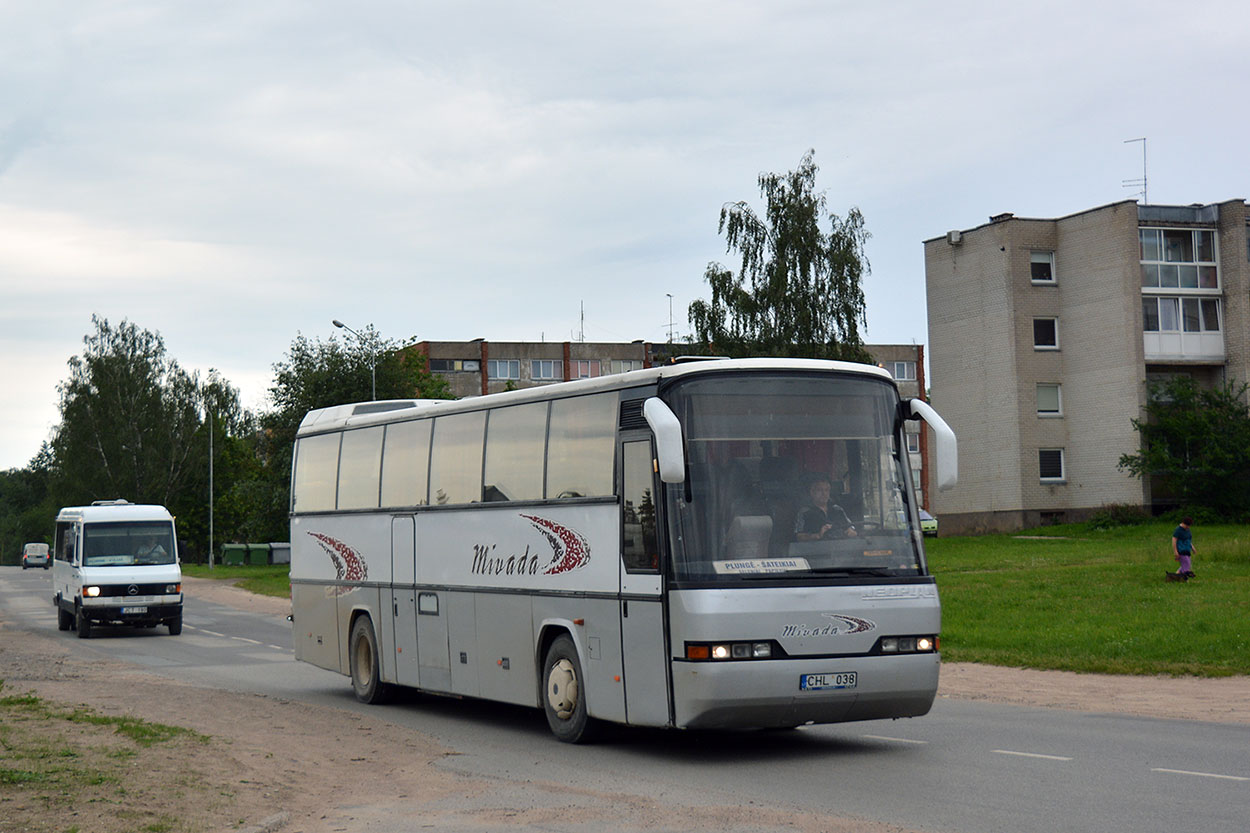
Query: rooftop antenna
(670, 316)
(581, 332)
(1139, 183)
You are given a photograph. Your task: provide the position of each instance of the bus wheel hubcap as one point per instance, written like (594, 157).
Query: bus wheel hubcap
(562, 689)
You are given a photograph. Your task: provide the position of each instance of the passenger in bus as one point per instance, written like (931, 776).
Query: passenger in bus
(822, 518)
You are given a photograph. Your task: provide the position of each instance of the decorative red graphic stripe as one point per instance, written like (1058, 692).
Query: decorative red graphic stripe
(570, 549)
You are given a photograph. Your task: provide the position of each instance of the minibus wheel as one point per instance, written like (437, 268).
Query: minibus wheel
(564, 696)
(64, 619)
(175, 625)
(363, 659)
(82, 623)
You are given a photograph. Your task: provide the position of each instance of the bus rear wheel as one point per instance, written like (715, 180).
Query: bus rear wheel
(564, 695)
(364, 663)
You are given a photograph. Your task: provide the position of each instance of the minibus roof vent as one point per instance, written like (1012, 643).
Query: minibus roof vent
(116, 502)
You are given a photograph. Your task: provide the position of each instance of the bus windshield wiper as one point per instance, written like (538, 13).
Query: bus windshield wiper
(855, 571)
(792, 574)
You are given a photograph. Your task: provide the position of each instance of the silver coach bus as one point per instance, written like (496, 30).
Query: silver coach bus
(642, 548)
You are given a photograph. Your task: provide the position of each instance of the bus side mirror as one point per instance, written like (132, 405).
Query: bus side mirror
(947, 448)
(669, 449)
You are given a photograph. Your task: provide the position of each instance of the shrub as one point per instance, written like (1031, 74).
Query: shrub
(1118, 514)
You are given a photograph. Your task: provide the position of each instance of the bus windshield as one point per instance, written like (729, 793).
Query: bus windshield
(127, 544)
(790, 477)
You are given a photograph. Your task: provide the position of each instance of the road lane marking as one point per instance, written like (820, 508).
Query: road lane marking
(896, 740)
(245, 639)
(1032, 755)
(1200, 774)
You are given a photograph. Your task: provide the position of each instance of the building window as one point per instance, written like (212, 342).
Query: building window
(913, 443)
(547, 370)
(1162, 314)
(902, 371)
(1050, 465)
(626, 365)
(454, 365)
(583, 368)
(503, 368)
(1178, 259)
(1049, 402)
(1042, 267)
(1046, 333)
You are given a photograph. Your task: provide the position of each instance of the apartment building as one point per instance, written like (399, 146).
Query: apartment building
(477, 367)
(1043, 334)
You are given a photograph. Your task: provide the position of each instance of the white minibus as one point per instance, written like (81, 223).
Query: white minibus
(116, 563)
(639, 548)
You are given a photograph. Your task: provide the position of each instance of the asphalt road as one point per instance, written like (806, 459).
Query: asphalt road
(964, 768)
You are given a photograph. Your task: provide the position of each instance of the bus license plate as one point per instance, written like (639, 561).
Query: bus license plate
(819, 682)
(127, 610)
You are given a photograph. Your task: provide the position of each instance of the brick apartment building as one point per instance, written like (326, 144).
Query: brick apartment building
(474, 368)
(1043, 334)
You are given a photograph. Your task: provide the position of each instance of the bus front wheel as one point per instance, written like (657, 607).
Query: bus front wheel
(363, 659)
(564, 697)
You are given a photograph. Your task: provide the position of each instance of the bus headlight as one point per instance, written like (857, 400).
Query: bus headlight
(91, 591)
(731, 650)
(172, 589)
(909, 644)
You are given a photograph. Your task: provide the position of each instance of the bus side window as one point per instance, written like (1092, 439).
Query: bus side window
(640, 547)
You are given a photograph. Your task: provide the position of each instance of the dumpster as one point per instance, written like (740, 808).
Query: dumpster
(280, 552)
(234, 554)
(257, 553)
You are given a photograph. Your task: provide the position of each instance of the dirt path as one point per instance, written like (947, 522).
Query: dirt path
(319, 766)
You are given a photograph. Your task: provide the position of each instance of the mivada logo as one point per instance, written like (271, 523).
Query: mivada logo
(569, 551)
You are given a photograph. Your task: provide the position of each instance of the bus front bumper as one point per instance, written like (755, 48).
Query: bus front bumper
(767, 694)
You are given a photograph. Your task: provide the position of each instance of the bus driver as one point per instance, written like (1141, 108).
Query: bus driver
(822, 519)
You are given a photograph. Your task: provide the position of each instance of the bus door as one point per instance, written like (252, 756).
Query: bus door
(404, 598)
(643, 649)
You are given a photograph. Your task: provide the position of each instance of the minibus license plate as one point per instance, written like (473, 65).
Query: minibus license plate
(818, 682)
(141, 609)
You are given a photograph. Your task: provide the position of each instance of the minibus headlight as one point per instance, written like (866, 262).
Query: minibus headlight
(761, 649)
(173, 589)
(924, 643)
(91, 591)
(720, 652)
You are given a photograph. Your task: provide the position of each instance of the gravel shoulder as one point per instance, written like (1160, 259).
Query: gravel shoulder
(319, 766)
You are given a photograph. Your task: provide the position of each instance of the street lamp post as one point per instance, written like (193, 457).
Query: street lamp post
(373, 361)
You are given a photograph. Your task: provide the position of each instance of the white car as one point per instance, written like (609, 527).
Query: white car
(35, 555)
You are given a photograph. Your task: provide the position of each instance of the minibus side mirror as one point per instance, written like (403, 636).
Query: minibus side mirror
(947, 448)
(669, 448)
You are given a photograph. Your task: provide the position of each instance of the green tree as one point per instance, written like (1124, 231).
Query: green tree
(130, 419)
(797, 291)
(1196, 443)
(134, 425)
(25, 511)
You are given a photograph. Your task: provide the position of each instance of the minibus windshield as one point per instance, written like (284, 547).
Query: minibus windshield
(128, 544)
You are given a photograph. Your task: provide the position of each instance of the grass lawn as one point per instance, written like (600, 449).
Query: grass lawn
(1078, 599)
(267, 580)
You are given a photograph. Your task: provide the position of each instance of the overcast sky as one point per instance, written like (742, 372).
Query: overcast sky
(232, 174)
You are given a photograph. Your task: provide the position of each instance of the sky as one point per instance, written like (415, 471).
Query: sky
(234, 174)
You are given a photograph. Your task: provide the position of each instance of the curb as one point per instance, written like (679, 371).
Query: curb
(275, 822)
